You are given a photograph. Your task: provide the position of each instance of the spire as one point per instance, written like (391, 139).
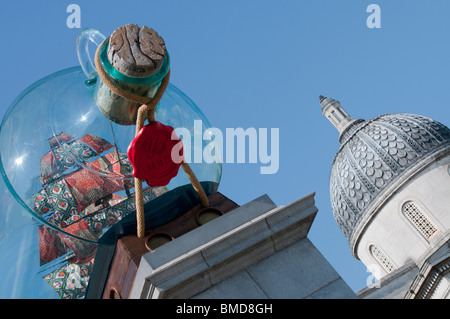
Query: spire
(336, 114)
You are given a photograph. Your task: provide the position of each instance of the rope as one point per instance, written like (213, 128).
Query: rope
(147, 110)
(195, 183)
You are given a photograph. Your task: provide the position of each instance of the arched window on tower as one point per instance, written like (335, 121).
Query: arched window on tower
(336, 115)
(382, 258)
(332, 120)
(421, 222)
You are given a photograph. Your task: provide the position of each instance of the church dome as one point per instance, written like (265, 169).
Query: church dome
(375, 158)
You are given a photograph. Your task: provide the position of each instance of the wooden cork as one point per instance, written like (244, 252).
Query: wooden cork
(136, 51)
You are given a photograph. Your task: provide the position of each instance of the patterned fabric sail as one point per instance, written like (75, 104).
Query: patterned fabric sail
(76, 197)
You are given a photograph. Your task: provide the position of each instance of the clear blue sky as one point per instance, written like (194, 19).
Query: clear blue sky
(263, 64)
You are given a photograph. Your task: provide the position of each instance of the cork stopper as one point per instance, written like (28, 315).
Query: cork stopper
(136, 51)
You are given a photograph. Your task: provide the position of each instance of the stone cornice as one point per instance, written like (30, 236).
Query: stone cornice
(223, 247)
(430, 274)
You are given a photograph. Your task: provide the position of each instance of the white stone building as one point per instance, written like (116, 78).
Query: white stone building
(390, 194)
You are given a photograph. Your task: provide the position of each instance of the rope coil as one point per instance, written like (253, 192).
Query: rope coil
(146, 110)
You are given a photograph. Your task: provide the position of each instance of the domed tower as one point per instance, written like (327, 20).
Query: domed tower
(390, 193)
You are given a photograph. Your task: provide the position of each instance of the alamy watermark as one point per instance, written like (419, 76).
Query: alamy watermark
(74, 19)
(236, 142)
(213, 152)
(374, 19)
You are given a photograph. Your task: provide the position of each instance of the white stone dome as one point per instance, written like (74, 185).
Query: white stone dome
(375, 159)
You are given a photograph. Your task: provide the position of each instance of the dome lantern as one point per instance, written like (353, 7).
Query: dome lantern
(337, 115)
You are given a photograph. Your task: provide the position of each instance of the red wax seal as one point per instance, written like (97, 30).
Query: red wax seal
(156, 154)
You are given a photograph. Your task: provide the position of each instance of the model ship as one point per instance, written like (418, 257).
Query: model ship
(80, 198)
